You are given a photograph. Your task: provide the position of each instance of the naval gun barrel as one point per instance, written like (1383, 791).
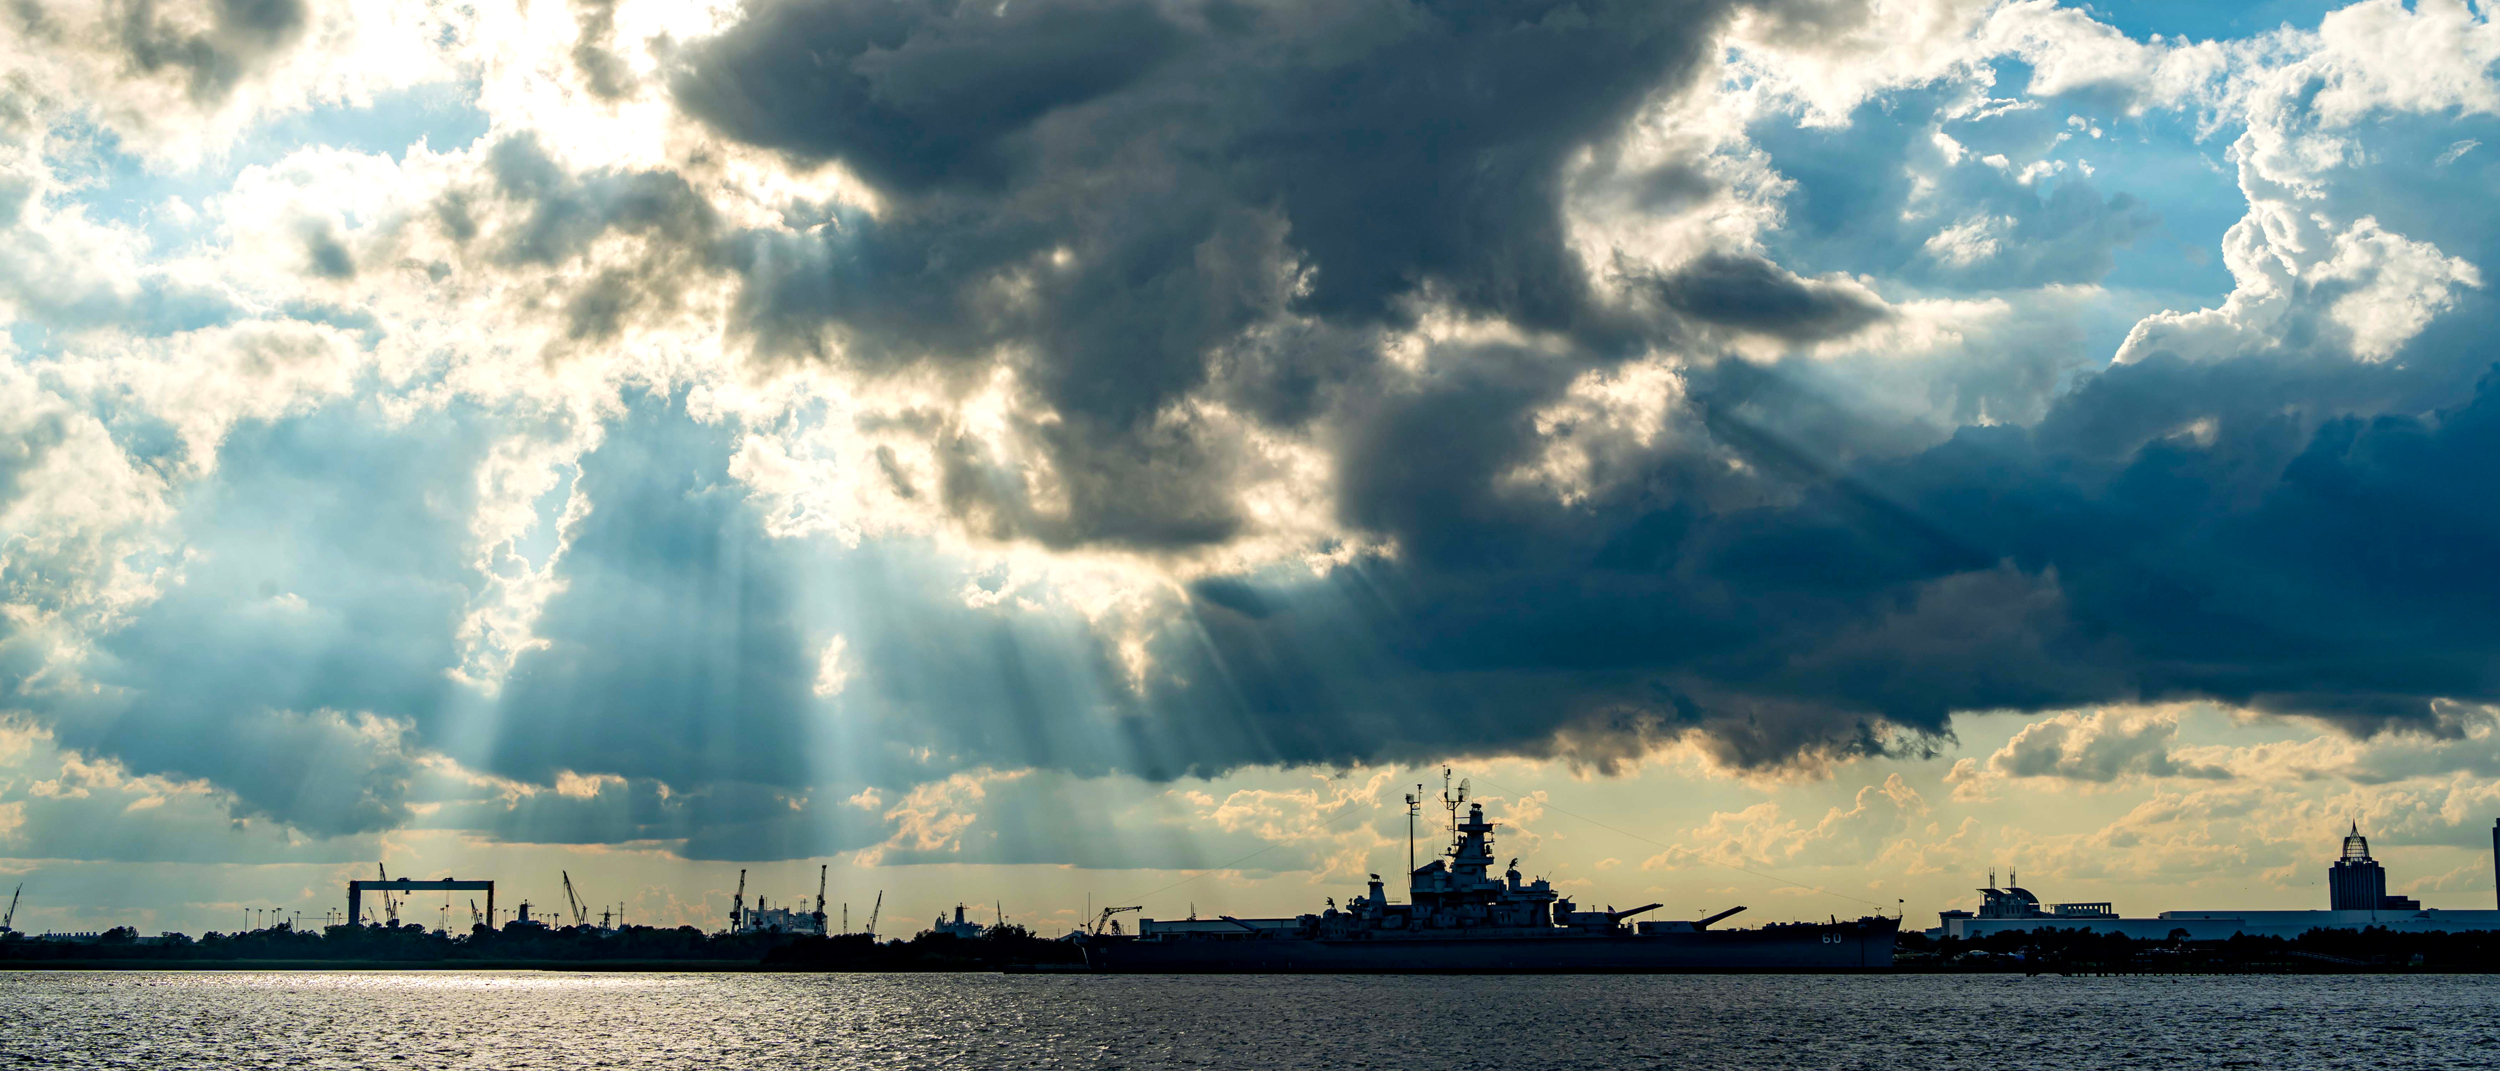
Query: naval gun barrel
(1704, 924)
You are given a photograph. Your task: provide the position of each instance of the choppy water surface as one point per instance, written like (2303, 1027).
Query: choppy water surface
(527, 1020)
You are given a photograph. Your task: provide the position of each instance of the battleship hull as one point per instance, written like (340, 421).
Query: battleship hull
(1861, 945)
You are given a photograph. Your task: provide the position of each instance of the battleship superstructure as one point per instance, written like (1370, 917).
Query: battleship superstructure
(1459, 917)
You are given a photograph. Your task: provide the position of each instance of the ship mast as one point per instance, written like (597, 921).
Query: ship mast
(1414, 809)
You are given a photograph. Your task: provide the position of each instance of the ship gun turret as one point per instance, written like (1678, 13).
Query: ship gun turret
(1604, 920)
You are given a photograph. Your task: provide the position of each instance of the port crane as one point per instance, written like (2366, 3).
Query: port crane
(820, 899)
(1105, 919)
(390, 903)
(581, 914)
(872, 914)
(476, 918)
(10, 919)
(738, 903)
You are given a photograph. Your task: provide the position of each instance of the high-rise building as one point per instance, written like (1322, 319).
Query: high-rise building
(2357, 883)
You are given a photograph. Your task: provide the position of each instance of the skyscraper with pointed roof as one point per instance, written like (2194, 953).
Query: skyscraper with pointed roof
(2356, 882)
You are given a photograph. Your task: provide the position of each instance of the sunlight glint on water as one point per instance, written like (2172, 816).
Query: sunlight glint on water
(529, 1020)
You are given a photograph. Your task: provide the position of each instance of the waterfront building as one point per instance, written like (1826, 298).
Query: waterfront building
(2357, 882)
(2356, 891)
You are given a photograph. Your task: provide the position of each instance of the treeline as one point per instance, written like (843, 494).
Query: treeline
(537, 945)
(1001, 947)
(2080, 951)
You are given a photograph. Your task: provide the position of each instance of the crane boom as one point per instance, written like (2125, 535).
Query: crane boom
(390, 903)
(10, 919)
(581, 914)
(738, 903)
(821, 868)
(872, 914)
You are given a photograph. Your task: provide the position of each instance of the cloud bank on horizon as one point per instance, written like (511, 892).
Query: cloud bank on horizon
(736, 426)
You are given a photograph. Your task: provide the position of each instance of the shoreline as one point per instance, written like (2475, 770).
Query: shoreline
(749, 967)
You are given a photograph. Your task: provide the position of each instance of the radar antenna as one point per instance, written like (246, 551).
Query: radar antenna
(1414, 810)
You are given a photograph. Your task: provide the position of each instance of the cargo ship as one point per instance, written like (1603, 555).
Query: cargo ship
(1459, 918)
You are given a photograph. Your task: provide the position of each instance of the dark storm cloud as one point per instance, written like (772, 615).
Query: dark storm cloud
(2301, 561)
(1158, 182)
(918, 94)
(242, 36)
(1855, 579)
(1752, 294)
(551, 216)
(1139, 204)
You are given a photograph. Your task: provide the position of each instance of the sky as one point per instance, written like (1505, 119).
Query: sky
(1791, 454)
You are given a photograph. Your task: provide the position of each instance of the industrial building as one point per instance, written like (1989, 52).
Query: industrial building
(2356, 899)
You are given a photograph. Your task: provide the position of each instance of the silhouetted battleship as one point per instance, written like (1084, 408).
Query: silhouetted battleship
(1460, 918)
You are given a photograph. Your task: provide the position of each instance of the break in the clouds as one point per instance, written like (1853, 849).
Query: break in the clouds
(761, 429)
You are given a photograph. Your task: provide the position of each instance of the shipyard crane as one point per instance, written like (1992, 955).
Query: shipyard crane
(1105, 918)
(390, 903)
(738, 903)
(820, 899)
(872, 914)
(476, 917)
(581, 914)
(10, 919)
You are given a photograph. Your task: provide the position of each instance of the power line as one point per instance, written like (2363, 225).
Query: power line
(1706, 859)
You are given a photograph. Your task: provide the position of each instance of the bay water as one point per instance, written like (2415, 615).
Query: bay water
(513, 1020)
